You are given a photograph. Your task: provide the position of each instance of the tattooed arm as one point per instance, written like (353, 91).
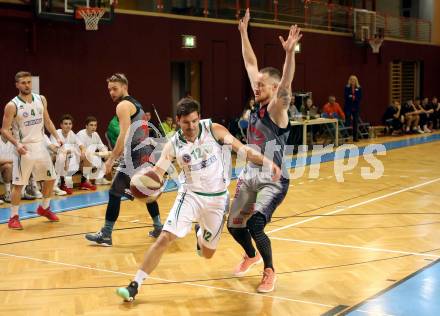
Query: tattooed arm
(279, 105)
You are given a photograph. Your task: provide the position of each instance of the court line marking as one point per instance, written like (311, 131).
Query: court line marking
(166, 280)
(356, 247)
(354, 205)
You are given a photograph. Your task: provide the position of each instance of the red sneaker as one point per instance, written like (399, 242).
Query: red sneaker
(63, 187)
(268, 282)
(87, 186)
(246, 264)
(14, 223)
(47, 213)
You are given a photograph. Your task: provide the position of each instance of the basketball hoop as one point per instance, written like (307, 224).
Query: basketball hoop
(91, 16)
(375, 43)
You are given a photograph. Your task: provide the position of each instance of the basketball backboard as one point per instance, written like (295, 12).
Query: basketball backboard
(64, 10)
(364, 25)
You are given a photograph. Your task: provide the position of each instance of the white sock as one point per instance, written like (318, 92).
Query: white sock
(140, 277)
(14, 210)
(46, 203)
(8, 187)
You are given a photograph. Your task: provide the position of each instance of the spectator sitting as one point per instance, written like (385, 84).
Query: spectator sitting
(92, 143)
(6, 156)
(435, 105)
(72, 156)
(113, 130)
(424, 115)
(310, 108)
(248, 109)
(293, 110)
(412, 117)
(429, 111)
(393, 118)
(333, 109)
(167, 127)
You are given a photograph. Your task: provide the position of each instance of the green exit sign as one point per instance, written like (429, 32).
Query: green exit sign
(189, 41)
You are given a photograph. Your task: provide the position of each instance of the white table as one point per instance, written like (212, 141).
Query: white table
(317, 121)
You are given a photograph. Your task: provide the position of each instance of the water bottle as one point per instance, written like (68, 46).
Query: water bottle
(308, 115)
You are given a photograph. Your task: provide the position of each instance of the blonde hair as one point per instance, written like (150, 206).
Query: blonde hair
(356, 80)
(22, 74)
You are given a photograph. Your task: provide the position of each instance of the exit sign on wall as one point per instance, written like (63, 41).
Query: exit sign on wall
(189, 41)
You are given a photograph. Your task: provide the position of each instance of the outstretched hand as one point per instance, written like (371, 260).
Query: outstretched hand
(293, 39)
(244, 21)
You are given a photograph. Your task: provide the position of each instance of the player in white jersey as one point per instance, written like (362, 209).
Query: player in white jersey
(94, 149)
(72, 156)
(28, 116)
(6, 157)
(203, 194)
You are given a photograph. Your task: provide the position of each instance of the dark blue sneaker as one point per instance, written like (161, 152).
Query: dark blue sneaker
(100, 239)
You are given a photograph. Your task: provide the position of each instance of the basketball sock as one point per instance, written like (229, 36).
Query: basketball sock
(108, 228)
(62, 182)
(83, 179)
(242, 236)
(140, 277)
(8, 187)
(111, 214)
(46, 203)
(256, 225)
(14, 210)
(153, 210)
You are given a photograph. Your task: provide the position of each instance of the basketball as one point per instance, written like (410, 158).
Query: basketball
(146, 184)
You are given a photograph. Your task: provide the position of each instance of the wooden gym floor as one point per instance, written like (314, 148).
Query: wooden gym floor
(333, 244)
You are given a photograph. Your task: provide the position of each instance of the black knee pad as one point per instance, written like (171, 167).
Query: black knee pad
(256, 224)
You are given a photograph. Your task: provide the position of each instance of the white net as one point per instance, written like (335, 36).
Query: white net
(91, 17)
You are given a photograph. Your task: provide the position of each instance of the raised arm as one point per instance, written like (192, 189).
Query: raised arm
(223, 136)
(249, 58)
(280, 103)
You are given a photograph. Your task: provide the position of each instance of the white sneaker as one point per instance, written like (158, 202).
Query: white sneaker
(58, 191)
(102, 181)
(7, 197)
(426, 129)
(419, 130)
(37, 193)
(1, 201)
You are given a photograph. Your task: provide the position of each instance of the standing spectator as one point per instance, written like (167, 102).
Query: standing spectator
(393, 118)
(167, 127)
(333, 109)
(113, 130)
(352, 97)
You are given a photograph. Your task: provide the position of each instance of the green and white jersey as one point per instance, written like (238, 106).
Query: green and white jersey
(28, 124)
(202, 162)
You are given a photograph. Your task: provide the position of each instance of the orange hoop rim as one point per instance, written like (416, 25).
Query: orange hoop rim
(86, 10)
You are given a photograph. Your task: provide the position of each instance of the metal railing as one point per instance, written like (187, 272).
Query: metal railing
(313, 14)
